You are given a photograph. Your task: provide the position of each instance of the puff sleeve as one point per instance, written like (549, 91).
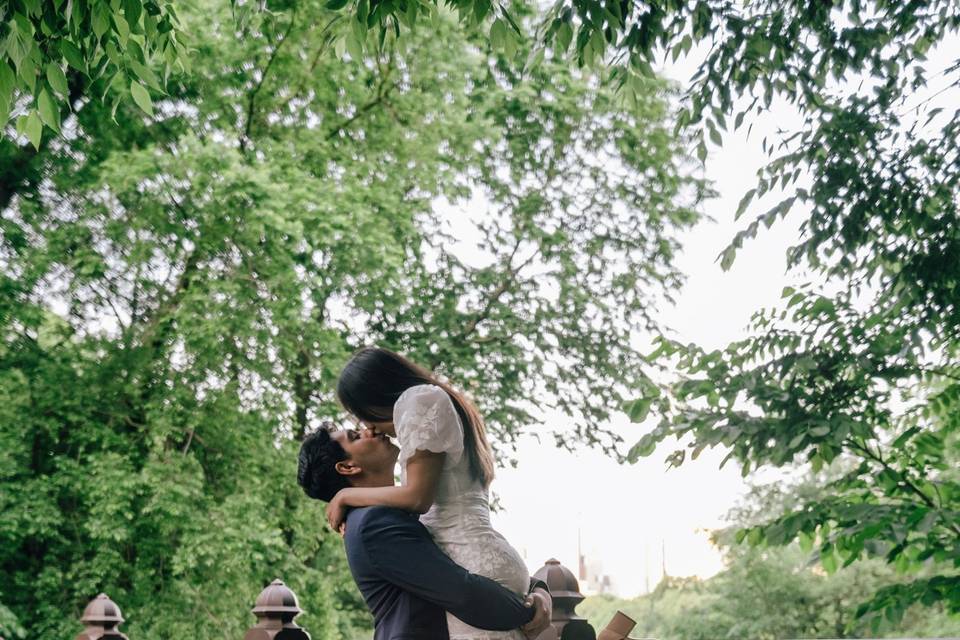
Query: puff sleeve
(425, 419)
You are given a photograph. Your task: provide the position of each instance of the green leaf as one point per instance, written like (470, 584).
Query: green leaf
(101, 19)
(905, 437)
(727, 257)
(744, 203)
(7, 81)
(73, 56)
(4, 110)
(828, 559)
(643, 448)
(132, 10)
(354, 47)
(498, 34)
(737, 121)
(146, 75)
(715, 136)
(122, 29)
(335, 5)
(57, 79)
(27, 70)
(510, 45)
(564, 37)
(639, 409)
(142, 97)
(516, 28)
(33, 129)
(702, 151)
(47, 108)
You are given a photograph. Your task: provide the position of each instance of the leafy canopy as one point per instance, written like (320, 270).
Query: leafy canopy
(52, 52)
(178, 294)
(867, 376)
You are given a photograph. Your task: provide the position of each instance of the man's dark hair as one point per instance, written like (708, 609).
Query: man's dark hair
(317, 466)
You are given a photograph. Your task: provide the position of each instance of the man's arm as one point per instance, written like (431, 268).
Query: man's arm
(401, 550)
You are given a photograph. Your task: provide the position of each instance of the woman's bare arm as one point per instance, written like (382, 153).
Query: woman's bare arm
(417, 495)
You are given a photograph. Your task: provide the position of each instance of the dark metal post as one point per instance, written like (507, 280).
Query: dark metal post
(276, 607)
(565, 591)
(101, 619)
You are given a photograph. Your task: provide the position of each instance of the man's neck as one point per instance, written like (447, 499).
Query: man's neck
(368, 480)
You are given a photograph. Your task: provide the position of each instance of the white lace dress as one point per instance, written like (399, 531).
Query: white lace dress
(459, 520)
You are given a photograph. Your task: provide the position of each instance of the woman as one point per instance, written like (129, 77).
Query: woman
(446, 467)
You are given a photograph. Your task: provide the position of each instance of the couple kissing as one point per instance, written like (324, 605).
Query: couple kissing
(423, 553)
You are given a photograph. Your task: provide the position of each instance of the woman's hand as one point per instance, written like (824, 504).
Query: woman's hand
(337, 512)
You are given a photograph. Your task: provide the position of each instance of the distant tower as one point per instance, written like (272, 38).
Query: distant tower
(663, 559)
(646, 567)
(581, 560)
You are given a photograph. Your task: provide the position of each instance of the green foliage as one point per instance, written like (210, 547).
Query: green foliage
(178, 293)
(867, 375)
(770, 592)
(52, 53)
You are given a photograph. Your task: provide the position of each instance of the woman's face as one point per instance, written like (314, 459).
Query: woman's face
(381, 428)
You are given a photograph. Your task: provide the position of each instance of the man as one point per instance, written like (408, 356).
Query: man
(407, 582)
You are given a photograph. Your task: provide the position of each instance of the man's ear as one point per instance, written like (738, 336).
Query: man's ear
(347, 468)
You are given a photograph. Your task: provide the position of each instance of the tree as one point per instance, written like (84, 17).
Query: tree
(769, 591)
(870, 374)
(54, 52)
(178, 293)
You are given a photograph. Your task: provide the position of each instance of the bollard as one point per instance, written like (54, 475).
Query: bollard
(565, 591)
(101, 617)
(276, 607)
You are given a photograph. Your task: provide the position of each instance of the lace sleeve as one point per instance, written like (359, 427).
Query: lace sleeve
(425, 419)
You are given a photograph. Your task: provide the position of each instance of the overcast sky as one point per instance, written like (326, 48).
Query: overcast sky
(632, 520)
(624, 515)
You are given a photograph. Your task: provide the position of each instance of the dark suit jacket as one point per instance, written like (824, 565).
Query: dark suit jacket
(409, 583)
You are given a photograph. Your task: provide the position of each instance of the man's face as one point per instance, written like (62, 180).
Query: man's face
(371, 452)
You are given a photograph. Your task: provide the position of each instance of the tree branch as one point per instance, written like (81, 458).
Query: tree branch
(251, 100)
(383, 90)
(927, 500)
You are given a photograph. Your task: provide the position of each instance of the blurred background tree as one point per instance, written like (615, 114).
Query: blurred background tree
(771, 592)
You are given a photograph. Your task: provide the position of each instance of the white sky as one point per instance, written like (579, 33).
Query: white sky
(625, 514)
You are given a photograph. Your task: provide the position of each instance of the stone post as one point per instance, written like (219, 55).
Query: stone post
(101, 619)
(276, 607)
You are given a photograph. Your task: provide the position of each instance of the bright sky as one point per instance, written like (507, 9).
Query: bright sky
(629, 517)
(624, 515)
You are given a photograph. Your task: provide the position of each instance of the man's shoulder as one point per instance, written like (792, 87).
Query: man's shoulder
(363, 518)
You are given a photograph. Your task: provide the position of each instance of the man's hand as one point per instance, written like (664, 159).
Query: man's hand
(337, 513)
(543, 608)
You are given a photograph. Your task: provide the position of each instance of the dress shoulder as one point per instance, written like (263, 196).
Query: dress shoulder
(425, 419)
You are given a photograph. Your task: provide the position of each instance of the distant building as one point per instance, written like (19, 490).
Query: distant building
(590, 574)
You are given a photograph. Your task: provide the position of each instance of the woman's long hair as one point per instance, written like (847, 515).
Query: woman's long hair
(374, 378)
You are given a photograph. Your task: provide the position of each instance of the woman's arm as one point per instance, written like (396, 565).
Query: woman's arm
(417, 495)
